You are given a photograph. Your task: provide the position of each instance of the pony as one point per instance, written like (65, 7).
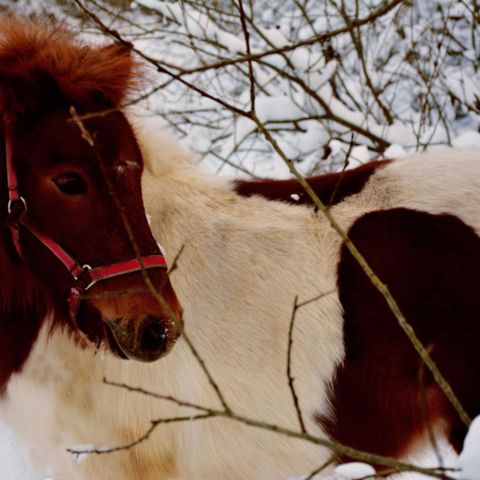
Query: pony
(73, 223)
(249, 250)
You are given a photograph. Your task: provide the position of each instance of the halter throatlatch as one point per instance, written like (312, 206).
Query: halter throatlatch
(84, 276)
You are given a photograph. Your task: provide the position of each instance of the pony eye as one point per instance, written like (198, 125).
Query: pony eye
(71, 184)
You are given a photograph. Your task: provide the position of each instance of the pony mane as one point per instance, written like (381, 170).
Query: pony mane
(42, 67)
(172, 158)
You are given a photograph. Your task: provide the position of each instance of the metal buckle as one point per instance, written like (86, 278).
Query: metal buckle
(78, 278)
(19, 199)
(87, 268)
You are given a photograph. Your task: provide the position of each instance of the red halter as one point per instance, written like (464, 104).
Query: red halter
(84, 276)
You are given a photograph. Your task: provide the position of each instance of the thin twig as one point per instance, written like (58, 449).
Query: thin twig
(249, 53)
(342, 172)
(202, 364)
(143, 438)
(338, 448)
(316, 298)
(426, 410)
(322, 467)
(289, 368)
(296, 306)
(173, 264)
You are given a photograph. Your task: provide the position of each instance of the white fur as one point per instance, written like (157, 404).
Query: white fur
(244, 260)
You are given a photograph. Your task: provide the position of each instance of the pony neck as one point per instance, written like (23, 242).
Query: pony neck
(193, 209)
(224, 235)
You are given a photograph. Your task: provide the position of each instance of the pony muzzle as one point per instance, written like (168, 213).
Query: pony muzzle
(133, 325)
(143, 339)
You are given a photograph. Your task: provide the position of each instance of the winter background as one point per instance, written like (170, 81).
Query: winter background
(350, 81)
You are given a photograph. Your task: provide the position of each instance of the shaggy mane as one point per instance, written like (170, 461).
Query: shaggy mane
(41, 65)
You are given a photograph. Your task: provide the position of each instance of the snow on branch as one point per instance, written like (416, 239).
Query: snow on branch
(311, 77)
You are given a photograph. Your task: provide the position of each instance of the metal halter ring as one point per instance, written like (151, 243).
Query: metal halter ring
(19, 199)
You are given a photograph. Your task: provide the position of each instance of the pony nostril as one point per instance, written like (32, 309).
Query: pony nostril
(154, 337)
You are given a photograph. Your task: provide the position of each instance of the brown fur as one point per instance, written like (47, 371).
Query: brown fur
(331, 188)
(33, 57)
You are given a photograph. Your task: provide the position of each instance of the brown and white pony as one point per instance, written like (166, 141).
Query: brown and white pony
(248, 250)
(65, 204)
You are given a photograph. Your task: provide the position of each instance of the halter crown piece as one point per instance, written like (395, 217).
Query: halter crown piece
(84, 276)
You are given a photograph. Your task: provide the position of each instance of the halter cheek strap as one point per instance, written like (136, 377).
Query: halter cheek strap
(84, 276)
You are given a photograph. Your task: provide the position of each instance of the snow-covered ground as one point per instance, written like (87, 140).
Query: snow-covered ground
(14, 461)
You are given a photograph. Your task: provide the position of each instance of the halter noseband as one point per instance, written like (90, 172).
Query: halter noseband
(84, 276)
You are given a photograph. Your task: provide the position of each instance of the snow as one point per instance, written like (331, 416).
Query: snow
(354, 471)
(167, 9)
(78, 458)
(196, 24)
(275, 36)
(359, 155)
(468, 139)
(469, 459)
(395, 151)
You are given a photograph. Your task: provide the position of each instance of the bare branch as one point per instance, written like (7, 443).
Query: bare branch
(289, 368)
(322, 467)
(249, 53)
(143, 438)
(212, 382)
(339, 449)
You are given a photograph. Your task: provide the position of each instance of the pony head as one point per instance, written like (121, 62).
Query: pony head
(75, 210)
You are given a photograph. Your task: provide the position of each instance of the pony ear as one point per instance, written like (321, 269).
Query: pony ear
(43, 69)
(102, 75)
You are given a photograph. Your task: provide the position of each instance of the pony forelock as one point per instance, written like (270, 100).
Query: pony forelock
(42, 65)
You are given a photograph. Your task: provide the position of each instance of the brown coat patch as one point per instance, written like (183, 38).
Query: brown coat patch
(431, 264)
(331, 188)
